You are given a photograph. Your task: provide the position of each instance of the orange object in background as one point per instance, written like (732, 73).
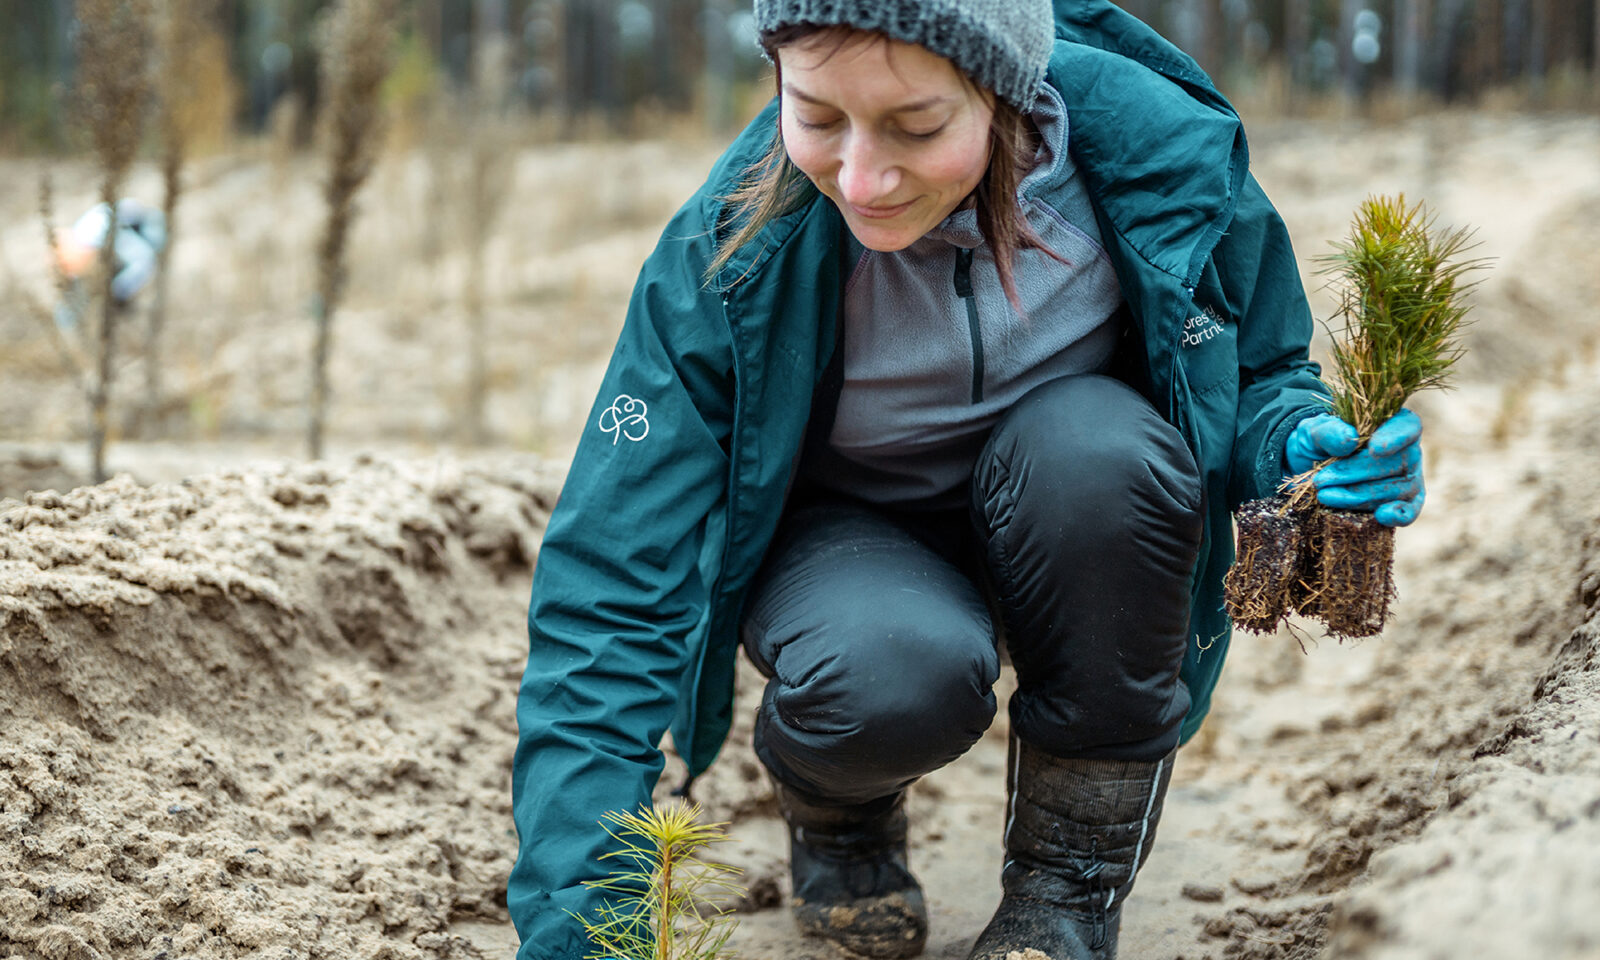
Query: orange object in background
(74, 258)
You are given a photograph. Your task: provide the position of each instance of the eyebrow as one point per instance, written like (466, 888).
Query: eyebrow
(911, 107)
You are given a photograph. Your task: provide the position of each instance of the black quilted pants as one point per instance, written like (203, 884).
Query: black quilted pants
(877, 629)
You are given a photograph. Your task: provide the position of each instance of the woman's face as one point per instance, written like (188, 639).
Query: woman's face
(891, 133)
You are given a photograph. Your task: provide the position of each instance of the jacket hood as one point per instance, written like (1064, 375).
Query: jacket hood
(1188, 142)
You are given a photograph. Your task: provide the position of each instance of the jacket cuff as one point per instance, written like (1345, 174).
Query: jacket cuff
(546, 931)
(1272, 466)
(568, 949)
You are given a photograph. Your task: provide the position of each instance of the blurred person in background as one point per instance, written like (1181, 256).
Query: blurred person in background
(141, 233)
(970, 342)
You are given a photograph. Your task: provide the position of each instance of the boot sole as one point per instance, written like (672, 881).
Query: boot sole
(891, 927)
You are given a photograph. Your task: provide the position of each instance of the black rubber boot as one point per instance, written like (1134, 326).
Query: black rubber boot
(851, 883)
(1077, 832)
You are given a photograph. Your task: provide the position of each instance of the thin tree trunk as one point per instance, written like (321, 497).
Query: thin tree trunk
(355, 61)
(1349, 70)
(179, 31)
(1411, 28)
(491, 47)
(1514, 40)
(570, 29)
(1564, 36)
(1538, 51)
(718, 65)
(607, 64)
(1488, 28)
(1213, 35)
(172, 176)
(1193, 30)
(323, 316)
(1296, 41)
(488, 171)
(665, 66)
(100, 391)
(1445, 59)
(113, 43)
(330, 281)
(477, 327)
(478, 348)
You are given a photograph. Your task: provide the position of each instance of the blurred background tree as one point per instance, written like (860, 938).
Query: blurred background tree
(620, 66)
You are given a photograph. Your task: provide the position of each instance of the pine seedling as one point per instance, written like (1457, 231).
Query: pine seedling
(662, 905)
(1402, 294)
(1402, 302)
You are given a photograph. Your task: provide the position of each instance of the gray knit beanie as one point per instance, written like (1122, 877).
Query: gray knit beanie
(1001, 44)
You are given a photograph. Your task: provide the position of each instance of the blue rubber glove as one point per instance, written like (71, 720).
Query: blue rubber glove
(1384, 477)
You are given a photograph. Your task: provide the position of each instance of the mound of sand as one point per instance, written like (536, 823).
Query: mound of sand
(262, 710)
(1508, 867)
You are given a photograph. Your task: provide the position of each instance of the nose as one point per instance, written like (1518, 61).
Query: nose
(867, 176)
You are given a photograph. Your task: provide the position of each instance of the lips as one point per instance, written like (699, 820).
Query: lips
(880, 213)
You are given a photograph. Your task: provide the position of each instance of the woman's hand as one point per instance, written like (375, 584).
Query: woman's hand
(1384, 477)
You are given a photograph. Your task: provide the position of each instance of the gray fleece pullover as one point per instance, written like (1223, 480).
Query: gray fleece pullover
(934, 352)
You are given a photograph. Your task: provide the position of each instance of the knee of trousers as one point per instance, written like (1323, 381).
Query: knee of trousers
(1089, 505)
(1088, 452)
(867, 709)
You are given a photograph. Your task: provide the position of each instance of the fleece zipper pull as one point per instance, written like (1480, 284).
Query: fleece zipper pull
(963, 281)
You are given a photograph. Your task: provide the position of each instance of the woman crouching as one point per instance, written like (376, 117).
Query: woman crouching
(914, 379)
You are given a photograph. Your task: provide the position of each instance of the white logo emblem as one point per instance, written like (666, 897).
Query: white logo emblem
(625, 418)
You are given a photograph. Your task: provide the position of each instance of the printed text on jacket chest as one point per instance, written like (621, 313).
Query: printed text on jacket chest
(1198, 329)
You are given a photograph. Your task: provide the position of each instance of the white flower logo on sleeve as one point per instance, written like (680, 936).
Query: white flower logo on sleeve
(625, 418)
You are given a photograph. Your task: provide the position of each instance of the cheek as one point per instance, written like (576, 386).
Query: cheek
(960, 164)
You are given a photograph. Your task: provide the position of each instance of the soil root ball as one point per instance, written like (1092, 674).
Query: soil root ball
(1305, 594)
(1257, 590)
(1333, 566)
(1354, 573)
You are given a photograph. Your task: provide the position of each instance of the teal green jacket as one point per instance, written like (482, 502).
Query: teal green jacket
(682, 470)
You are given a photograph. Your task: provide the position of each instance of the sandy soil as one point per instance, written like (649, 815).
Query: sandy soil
(267, 711)
(261, 713)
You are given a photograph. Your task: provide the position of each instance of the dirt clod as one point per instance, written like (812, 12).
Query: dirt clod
(1203, 892)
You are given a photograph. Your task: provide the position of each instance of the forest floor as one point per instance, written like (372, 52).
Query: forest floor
(258, 707)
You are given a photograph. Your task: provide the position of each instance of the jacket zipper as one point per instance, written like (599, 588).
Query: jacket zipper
(963, 280)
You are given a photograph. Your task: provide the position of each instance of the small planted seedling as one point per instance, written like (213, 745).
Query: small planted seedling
(664, 904)
(1402, 302)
